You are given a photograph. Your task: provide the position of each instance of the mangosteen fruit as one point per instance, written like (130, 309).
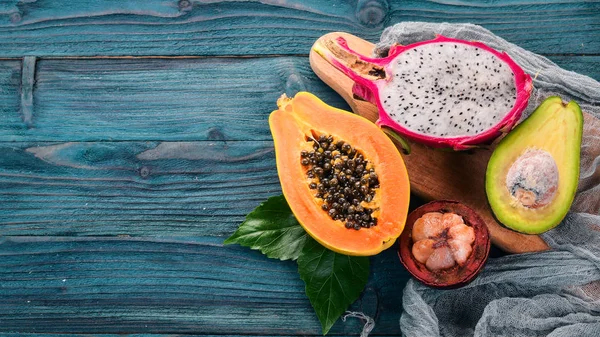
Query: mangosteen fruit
(444, 244)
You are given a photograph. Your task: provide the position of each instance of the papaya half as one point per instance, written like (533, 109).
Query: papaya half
(343, 178)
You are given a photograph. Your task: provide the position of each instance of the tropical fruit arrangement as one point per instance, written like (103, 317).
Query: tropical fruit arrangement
(346, 188)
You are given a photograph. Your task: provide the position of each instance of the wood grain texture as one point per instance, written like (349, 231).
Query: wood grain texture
(104, 285)
(116, 193)
(434, 174)
(156, 99)
(161, 99)
(10, 97)
(27, 78)
(191, 27)
(585, 65)
(133, 188)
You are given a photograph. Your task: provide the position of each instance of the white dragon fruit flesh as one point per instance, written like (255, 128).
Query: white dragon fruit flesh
(442, 92)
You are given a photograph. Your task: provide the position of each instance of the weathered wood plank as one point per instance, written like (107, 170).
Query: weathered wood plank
(165, 99)
(544, 27)
(158, 99)
(10, 97)
(102, 285)
(133, 188)
(188, 27)
(43, 334)
(586, 65)
(27, 78)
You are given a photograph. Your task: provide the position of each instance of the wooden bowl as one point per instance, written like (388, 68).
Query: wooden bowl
(456, 276)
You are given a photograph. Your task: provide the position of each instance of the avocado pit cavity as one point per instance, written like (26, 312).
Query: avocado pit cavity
(532, 179)
(442, 240)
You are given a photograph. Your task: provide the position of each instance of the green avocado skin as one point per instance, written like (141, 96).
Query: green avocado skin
(556, 128)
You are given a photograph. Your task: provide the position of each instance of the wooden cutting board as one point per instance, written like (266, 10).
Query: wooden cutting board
(434, 174)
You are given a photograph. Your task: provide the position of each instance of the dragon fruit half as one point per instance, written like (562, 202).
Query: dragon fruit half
(442, 92)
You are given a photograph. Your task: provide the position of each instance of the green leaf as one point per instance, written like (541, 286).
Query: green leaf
(333, 281)
(272, 229)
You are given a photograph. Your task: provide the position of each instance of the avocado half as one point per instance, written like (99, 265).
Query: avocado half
(532, 175)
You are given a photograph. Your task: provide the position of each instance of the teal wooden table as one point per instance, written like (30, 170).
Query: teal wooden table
(134, 139)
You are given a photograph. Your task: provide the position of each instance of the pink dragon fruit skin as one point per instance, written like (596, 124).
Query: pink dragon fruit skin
(374, 86)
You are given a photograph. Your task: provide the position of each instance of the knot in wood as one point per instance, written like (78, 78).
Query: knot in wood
(185, 5)
(215, 135)
(144, 172)
(15, 17)
(371, 13)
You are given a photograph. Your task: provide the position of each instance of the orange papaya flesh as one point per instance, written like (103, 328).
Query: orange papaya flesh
(294, 127)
